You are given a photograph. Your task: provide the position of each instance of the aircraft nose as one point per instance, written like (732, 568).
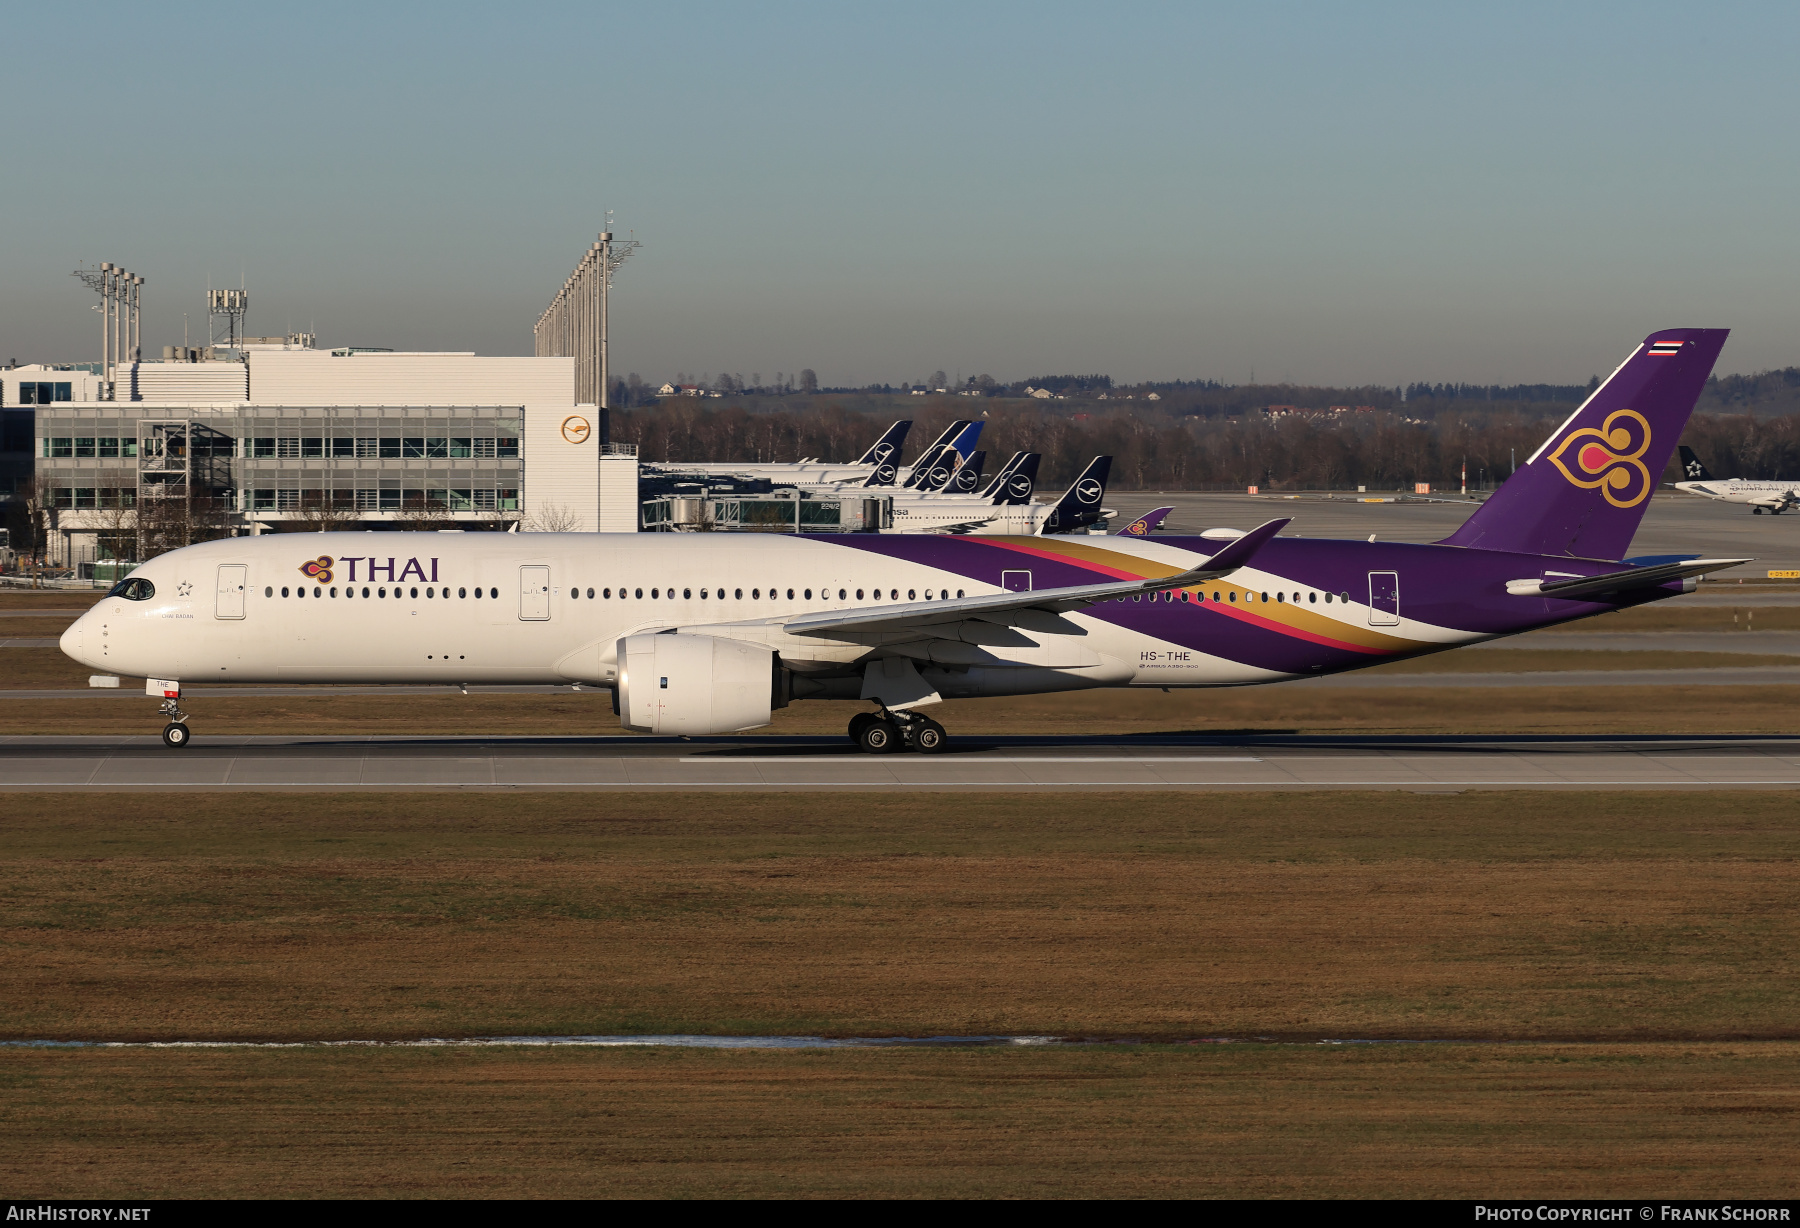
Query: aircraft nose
(70, 643)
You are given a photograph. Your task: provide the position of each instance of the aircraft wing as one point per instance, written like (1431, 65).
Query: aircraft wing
(1576, 588)
(1054, 600)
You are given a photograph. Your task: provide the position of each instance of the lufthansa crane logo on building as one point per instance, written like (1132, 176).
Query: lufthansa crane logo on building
(1089, 491)
(1609, 459)
(575, 429)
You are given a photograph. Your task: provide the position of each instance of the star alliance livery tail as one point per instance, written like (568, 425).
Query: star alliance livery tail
(1693, 466)
(1583, 493)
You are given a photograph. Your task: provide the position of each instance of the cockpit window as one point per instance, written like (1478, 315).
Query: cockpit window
(133, 588)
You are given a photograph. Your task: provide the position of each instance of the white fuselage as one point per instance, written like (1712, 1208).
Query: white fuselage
(550, 608)
(1741, 490)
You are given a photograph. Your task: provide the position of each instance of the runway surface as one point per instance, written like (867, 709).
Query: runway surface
(1187, 763)
(1673, 523)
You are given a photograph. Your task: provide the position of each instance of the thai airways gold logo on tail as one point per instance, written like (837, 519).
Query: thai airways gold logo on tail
(318, 570)
(1609, 458)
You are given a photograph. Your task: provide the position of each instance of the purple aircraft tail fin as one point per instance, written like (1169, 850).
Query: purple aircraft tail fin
(1146, 524)
(1585, 490)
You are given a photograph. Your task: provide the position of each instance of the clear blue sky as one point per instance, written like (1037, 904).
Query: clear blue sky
(1324, 193)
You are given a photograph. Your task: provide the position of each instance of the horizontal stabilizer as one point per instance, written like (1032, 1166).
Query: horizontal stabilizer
(1580, 588)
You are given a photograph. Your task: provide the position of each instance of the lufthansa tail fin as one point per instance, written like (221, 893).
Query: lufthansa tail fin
(1080, 505)
(941, 471)
(886, 450)
(993, 488)
(1692, 467)
(922, 467)
(1585, 490)
(967, 479)
(1017, 482)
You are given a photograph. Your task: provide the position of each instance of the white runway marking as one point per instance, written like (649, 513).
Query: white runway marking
(971, 759)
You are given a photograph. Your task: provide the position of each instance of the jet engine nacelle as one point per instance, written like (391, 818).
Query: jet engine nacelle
(697, 684)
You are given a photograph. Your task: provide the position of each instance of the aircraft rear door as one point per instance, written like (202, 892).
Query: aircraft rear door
(534, 594)
(1384, 599)
(232, 579)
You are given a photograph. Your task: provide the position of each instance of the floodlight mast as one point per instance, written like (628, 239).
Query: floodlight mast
(576, 323)
(121, 312)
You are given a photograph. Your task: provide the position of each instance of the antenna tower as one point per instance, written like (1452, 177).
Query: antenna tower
(225, 316)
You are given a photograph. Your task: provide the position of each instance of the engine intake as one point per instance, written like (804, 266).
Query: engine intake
(697, 684)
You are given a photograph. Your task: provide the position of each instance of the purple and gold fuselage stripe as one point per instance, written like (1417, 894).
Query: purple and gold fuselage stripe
(1286, 642)
(1283, 618)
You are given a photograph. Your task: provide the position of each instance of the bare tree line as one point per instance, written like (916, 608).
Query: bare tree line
(1380, 449)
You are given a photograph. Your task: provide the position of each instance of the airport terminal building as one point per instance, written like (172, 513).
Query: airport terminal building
(282, 437)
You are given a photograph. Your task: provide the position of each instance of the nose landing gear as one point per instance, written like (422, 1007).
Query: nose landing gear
(883, 732)
(175, 734)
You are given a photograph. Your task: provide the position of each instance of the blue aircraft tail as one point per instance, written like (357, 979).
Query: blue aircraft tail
(1585, 490)
(1016, 483)
(941, 470)
(965, 440)
(886, 450)
(922, 467)
(967, 479)
(1080, 505)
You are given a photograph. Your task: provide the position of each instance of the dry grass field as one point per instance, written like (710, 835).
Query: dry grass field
(1491, 915)
(1605, 1121)
(1637, 949)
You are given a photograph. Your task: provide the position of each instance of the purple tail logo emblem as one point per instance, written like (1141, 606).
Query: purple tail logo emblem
(1609, 458)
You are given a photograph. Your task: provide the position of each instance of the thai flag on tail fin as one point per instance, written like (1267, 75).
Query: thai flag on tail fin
(1584, 492)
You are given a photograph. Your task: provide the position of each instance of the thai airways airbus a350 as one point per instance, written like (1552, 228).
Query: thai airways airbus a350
(709, 633)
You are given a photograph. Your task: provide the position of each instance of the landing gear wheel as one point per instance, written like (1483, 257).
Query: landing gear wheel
(929, 738)
(860, 722)
(176, 735)
(1756, 511)
(879, 737)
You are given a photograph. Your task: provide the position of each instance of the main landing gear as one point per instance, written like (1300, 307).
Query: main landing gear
(176, 734)
(884, 732)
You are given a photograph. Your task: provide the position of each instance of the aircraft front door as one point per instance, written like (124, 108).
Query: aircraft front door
(534, 594)
(1016, 581)
(232, 579)
(1384, 599)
